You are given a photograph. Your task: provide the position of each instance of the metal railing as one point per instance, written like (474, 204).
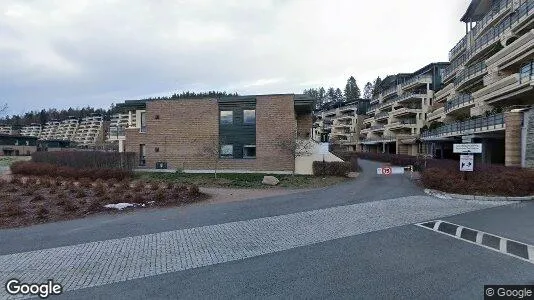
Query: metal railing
(381, 114)
(455, 64)
(472, 70)
(494, 33)
(379, 139)
(459, 47)
(497, 8)
(458, 101)
(415, 79)
(378, 126)
(490, 121)
(526, 72)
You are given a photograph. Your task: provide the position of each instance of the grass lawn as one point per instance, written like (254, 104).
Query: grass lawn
(6, 161)
(242, 180)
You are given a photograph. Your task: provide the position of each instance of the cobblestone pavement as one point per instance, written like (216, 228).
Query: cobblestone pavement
(110, 261)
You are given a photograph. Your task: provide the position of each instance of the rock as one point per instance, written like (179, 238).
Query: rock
(353, 174)
(270, 180)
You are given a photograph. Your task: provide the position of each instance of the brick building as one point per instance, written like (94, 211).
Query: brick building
(254, 133)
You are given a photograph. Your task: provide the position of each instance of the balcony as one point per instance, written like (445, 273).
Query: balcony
(508, 87)
(479, 125)
(496, 12)
(452, 69)
(436, 114)
(514, 52)
(386, 104)
(470, 74)
(458, 48)
(377, 128)
(416, 81)
(402, 124)
(442, 94)
(406, 111)
(389, 92)
(377, 140)
(368, 120)
(412, 95)
(459, 102)
(382, 115)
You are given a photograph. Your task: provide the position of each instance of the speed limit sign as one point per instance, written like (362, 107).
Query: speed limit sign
(386, 171)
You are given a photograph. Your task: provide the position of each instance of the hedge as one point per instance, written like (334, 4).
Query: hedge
(87, 159)
(43, 169)
(496, 180)
(331, 168)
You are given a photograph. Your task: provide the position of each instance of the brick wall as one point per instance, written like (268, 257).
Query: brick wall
(304, 125)
(186, 127)
(529, 139)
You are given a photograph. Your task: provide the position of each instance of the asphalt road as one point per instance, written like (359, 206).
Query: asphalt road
(376, 254)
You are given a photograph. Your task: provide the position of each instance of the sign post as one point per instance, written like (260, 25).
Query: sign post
(467, 161)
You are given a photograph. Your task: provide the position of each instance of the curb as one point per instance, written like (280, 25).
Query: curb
(444, 195)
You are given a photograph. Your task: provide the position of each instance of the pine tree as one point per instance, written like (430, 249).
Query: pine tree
(376, 85)
(368, 91)
(352, 91)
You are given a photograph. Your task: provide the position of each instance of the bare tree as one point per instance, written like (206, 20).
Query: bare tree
(3, 108)
(212, 149)
(295, 147)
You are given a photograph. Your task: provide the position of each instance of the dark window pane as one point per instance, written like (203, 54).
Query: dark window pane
(249, 116)
(227, 117)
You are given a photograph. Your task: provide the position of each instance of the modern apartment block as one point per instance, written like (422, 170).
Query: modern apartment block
(399, 109)
(50, 130)
(340, 124)
(255, 133)
(489, 86)
(33, 130)
(67, 129)
(132, 112)
(90, 131)
(7, 130)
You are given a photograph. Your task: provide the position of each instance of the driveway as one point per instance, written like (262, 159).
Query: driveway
(354, 240)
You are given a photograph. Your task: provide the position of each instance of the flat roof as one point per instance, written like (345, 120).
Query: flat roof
(476, 10)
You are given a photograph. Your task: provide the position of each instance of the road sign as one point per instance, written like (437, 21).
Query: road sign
(467, 148)
(466, 163)
(386, 171)
(323, 148)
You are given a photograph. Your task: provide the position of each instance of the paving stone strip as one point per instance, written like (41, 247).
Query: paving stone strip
(104, 262)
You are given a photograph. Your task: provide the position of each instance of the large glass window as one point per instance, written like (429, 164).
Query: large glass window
(226, 117)
(249, 116)
(227, 151)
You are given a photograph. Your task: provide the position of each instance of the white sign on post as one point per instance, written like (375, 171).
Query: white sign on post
(467, 148)
(323, 148)
(466, 163)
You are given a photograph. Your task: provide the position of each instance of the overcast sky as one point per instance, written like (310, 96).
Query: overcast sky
(61, 53)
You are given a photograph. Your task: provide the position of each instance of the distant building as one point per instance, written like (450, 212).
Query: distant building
(13, 145)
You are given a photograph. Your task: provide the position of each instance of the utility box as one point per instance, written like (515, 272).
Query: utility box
(161, 165)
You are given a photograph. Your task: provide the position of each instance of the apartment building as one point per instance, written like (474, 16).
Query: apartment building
(31, 130)
(90, 131)
(488, 94)
(7, 130)
(340, 123)
(399, 109)
(255, 133)
(129, 116)
(15, 145)
(50, 130)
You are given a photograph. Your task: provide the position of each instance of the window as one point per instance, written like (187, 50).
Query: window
(143, 122)
(249, 151)
(142, 155)
(227, 151)
(227, 117)
(249, 116)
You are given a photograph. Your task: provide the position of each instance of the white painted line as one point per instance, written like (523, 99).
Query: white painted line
(502, 245)
(479, 237)
(503, 241)
(459, 231)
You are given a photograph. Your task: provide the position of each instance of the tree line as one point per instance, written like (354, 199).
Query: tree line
(45, 115)
(325, 98)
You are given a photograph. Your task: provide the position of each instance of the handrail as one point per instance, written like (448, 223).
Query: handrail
(458, 101)
(470, 71)
(526, 72)
(493, 120)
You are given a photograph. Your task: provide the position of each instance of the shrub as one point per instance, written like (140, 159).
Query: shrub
(42, 213)
(485, 180)
(44, 169)
(70, 206)
(334, 168)
(13, 209)
(93, 207)
(80, 193)
(87, 159)
(37, 198)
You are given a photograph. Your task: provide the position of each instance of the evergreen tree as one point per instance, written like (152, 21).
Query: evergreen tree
(368, 91)
(376, 85)
(352, 91)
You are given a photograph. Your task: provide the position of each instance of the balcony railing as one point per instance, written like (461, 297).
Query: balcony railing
(478, 68)
(377, 127)
(455, 64)
(497, 8)
(479, 123)
(415, 79)
(493, 34)
(381, 115)
(458, 101)
(458, 48)
(526, 72)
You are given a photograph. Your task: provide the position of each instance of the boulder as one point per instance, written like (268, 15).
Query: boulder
(353, 174)
(270, 180)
